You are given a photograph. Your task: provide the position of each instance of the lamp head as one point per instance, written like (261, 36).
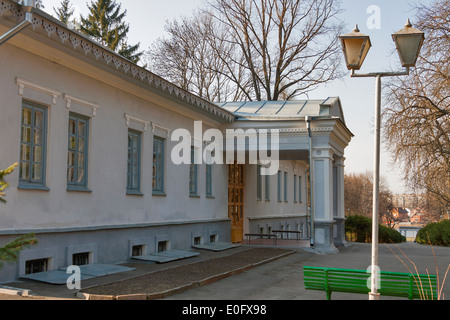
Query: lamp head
(408, 41)
(355, 46)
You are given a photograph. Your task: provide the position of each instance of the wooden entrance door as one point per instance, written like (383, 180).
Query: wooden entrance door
(236, 201)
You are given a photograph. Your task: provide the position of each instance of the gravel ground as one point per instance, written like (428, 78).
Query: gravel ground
(168, 279)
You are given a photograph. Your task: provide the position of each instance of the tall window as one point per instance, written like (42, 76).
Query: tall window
(299, 189)
(267, 188)
(279, 186)
(77, 157)
(209, 180)
(295, 188)
(158, 166)
(285, 187)
(134, 162)
(209, 175)
(33, 146)
(193, 174)
(258, 183)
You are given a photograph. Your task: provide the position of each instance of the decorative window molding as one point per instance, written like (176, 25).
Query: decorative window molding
(156, 129)
(22, 84)
(70, 99)
(131, 119)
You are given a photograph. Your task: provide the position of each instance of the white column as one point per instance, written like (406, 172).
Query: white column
(339, 234)
(323, 198)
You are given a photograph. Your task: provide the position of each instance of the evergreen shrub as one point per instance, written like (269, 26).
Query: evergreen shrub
(437, 234)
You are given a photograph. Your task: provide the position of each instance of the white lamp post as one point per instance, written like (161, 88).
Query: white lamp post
(356, 45)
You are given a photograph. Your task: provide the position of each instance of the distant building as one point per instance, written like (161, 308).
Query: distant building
(408, 231)
(400, 214)
(417, 217)
(407, 200)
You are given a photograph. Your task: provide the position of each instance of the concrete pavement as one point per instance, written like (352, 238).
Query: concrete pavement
(281, 279)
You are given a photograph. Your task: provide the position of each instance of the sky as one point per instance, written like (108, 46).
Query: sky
(376, 18)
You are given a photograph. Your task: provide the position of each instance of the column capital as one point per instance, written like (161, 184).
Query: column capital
(339, 162)
(323, 153)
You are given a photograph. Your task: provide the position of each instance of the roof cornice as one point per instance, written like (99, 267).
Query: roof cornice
(79, 43)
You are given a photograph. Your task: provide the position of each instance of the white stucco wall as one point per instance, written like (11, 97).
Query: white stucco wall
(273, 213)
(107, 204)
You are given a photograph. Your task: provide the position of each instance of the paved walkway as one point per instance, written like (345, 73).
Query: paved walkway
(281, 279)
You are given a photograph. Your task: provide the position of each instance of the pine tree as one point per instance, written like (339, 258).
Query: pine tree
(10, 252)
(3, 183)
(65, 12)
(106, 26)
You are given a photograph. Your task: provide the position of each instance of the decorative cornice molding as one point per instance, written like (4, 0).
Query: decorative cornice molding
(76, 41)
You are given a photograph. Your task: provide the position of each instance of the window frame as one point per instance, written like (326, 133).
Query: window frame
(299, 188)
(131, 189)
(267, 188)
(279, 177)
(30, 183)
(83, 185)
(209, 171)
(295, 188)
(285, 186)
(258, 183)
(158, 170)
(193, 175)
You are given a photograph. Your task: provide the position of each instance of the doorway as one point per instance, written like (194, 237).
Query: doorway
(236, 201)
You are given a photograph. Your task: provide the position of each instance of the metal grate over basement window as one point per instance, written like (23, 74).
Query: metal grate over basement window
(80, 259)
(36, 266)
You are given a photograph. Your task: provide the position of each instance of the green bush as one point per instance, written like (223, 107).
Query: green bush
(389, 235)
(437, 234)
(359, 229)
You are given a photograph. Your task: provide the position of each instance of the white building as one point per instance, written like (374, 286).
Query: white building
(92, 135)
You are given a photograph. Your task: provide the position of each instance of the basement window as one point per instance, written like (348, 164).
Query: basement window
(213, 238)
(162, 246)
(197, 240)
(36, 266)
(80, 259)
(137, 251)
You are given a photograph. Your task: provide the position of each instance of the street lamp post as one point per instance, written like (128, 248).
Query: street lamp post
(356, 46)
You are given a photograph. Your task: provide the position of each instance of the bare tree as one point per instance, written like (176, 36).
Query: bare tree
(186, 58)
(358, 194)
(417, 121)
(255, 49)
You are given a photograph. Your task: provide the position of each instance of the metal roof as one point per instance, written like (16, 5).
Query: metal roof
(276, 110)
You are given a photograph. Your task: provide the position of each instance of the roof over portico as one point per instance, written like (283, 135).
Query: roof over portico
(285, 110)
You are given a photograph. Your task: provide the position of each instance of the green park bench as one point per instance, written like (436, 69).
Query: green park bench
(393, 284)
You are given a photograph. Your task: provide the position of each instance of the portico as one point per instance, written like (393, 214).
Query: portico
(315, 184)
